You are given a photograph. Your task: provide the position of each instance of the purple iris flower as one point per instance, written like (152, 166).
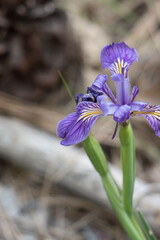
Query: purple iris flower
(100, 101)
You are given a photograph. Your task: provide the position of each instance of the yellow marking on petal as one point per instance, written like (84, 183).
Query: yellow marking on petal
(142, 112)
(91, 113)
(119, 65)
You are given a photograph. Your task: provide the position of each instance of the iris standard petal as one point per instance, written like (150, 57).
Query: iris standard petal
(109, 93)
(118, 57)
(122, 113)
(134, 93)
(101, 86)
(76, 126)
(122, 85)
(152, 114)
(99, 82)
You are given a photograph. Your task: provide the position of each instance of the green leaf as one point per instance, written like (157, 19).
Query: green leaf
(67, 87)
(147, 230)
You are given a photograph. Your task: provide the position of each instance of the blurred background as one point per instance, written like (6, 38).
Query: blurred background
(38, 39)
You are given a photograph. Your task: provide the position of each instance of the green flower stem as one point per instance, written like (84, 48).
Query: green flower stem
(123, 217)
(127, 152)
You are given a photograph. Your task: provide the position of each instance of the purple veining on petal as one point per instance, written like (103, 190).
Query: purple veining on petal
(134, 93)
(154, 122)
(76, 126)
(99, 82)
(111, 54)
(122, 113)
(101, 85)
(109, 93)
(64, 125)
(152, 114)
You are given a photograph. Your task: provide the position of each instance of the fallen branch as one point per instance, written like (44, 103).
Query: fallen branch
(47, 119)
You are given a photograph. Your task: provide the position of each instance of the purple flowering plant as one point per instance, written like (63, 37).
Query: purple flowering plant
(100, 101)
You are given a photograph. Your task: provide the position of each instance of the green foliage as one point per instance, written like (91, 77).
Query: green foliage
(119, 203)
(147, 230)
(96, 155)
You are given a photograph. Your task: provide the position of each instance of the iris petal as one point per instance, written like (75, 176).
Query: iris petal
(134, 93)
(100, 85)
(99, 82)
(137, 106)
(108, 108)
(118, 57)
(76, 126)
(100, 101)
(122, 85)
(122, 113)
(64, 125)
(152, 114)
(109, 93)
